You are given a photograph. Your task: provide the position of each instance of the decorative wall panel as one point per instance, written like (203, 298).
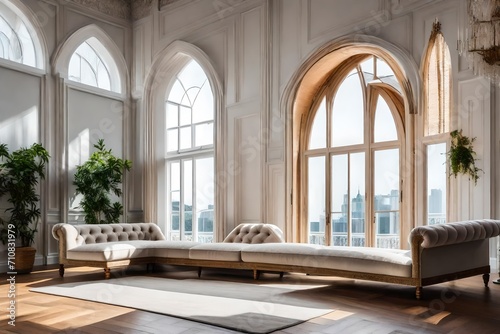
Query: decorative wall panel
(250, 57)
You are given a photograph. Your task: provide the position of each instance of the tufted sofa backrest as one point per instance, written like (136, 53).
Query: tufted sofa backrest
(454, 233)
(76, 235)
(255, 234)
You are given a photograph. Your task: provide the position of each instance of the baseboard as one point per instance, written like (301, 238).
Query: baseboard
(52, 259)
(494, 264)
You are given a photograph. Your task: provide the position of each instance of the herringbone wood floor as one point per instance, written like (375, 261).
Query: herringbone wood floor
(463, 306)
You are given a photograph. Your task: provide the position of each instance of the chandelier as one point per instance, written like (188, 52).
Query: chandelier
(482, 42)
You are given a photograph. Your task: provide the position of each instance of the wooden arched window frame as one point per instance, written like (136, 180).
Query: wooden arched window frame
(324, 156)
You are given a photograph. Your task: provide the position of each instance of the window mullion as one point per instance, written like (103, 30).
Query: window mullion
(194, 210)
(182, 228)
(349, 202)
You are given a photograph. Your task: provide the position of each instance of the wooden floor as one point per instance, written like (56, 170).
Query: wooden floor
(463, 306)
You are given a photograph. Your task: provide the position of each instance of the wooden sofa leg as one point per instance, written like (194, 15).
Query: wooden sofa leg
(418, 292)
(150, 267)
(282, 274)
(199, 272)
(61, 270)
(256, 274)
(486, 279)
(107, 273)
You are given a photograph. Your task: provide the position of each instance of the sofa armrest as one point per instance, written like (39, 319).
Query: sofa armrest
(255, 234)
(67, 237)
(454, 233)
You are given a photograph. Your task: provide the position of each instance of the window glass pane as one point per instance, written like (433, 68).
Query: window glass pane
(175, 222)
(357, 191)
(88, 76)
(367, 66)
(103, 79)
(185, 138)
(173, 186)
(172, 140)
(348, 115)
(204, 134)
(385, 127)
(386, 198)
(176, 93)
(436, 184)
(205, 198)
(74, 68)
(203, 108)
(316, 199)
(29, 52)
(187, 191)
(192, 93)
(175, 176)
(383, 70)
(172, 115)
(184, 115)
(339, 187)
(317, 137)
(192, 75)
(87, 52)
(3, 46)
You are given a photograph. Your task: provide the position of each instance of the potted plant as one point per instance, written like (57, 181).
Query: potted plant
(462, 156)
(96, 179)
(20, 172)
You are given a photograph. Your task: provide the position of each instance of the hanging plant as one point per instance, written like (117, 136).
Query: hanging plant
(462, 156)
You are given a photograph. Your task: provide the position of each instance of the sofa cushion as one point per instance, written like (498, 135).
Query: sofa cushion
(113, 251)
(255, 234)
(218, 251)
(174, 249)
(358, 259)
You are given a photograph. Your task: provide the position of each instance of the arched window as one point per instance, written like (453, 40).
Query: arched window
(437, 111)
(91, 64)
(352, 157)
(18, 42)
(189, 159)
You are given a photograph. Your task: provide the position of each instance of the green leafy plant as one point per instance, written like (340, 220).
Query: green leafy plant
(96, 179)
(462, 156)
(20, 172)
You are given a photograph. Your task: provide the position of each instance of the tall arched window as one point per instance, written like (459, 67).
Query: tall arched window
(189, 159)
(91, 64)
(18, 42)
(352, 157)
(437, 111)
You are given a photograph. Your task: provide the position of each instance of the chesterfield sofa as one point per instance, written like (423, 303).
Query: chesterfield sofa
(438, 253)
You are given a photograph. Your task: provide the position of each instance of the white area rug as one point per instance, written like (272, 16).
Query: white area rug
(248, 308)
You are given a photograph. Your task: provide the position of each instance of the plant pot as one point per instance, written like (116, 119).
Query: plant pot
(25, 257)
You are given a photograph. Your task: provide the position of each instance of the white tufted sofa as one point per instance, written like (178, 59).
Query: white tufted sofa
(438, 253)
(115, 245)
